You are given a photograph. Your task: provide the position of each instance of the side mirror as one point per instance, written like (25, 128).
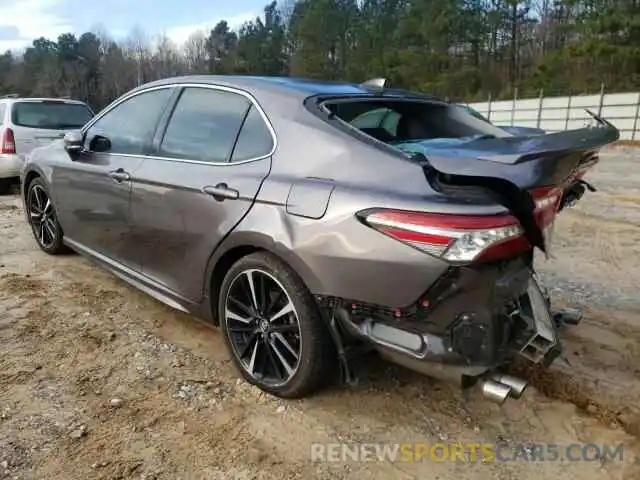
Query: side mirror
(73, 141)
(100, 144)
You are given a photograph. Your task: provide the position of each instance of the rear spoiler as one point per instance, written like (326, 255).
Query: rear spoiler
(588, 138)
(518, 150)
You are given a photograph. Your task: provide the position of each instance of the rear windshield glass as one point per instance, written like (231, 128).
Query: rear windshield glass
(50, 115)
(411, 125)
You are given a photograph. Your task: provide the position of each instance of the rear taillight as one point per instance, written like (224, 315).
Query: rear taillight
(465, 238)
(547, 200)
(455, 238)
(7, 142)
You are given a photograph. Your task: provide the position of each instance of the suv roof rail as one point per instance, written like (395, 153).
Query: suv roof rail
(10, 95)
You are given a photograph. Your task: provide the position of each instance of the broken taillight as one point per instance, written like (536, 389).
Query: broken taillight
(547, 200)
(7, 142)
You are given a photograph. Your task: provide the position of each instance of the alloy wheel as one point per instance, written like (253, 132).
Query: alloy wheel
(42, 217)
(263, 327)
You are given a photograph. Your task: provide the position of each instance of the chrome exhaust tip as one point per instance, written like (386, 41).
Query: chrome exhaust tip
(516, 385)
(495, 391)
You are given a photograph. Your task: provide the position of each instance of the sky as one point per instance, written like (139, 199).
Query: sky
(21, 21)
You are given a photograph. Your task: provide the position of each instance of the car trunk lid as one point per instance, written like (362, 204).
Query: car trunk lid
(527, 162)
(513, 170)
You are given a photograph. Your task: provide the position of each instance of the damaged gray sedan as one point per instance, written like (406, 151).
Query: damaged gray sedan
(311, 219)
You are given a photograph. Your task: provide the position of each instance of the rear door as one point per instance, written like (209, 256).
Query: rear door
(92, 188)
(208, 168)
(39, 122)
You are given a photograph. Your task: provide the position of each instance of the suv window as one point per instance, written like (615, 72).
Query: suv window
(130, 125)
(50, 114)
(255, 138)
(204, 125)
(2, 111)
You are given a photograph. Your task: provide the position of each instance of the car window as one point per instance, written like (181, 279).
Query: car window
(204, 125)
(476, 114)
(370, 119)
(255, 139)
(390, 122)
(2, 111)
(130, 125)
(50, 114)
(384, 118)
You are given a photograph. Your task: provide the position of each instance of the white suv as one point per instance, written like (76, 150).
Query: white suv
(27, 123)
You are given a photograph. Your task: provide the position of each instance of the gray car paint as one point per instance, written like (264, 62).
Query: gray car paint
(179, 239)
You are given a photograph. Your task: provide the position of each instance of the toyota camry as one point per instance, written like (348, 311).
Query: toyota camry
(311, 220)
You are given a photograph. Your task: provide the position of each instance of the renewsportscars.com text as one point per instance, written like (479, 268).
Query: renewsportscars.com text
(465, 452)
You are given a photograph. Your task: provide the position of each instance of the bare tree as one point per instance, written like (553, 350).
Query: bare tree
(196, 52)
(137, 45)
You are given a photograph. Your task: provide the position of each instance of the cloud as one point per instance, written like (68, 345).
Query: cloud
(181, 33)
(25, 20)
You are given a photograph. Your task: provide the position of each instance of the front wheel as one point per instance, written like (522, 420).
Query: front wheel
(273, 328)
(43, 218)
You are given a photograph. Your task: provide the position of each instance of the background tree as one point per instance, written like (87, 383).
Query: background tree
(462, 49)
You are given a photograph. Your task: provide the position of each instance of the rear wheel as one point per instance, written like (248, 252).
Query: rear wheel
(273, 328)
(43, 218)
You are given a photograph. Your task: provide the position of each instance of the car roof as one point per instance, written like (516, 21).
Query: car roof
(291, 86)
(40, 99)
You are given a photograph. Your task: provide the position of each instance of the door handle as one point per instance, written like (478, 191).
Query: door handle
(221, 192)
(119, 175)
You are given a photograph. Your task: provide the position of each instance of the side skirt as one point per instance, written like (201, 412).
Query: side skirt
(138, 280)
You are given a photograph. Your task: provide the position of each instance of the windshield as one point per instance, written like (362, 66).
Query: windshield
(51, 115)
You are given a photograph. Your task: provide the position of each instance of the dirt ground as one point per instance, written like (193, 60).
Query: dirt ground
(98, 380)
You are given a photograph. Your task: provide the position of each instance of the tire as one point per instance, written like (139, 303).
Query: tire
(49, 239)
(316, 362)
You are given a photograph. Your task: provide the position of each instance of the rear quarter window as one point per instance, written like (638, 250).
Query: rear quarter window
(3, 110)
(255, 139)
(51, 115)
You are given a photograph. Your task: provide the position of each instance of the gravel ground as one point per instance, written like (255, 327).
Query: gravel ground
(597, 253)
(100, 381)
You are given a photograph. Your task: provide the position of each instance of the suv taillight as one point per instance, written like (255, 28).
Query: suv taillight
(7, 142)
(464, 238)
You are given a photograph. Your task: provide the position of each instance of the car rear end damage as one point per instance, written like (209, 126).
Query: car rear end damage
(488, 308)
(474, 320)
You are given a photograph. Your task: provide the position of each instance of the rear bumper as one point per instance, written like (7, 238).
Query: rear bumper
(476, 321)
(10, 165)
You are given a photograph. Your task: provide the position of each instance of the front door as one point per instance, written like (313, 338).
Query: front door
(207, 170)
(93, 188)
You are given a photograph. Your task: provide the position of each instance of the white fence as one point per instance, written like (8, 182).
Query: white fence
(567, 113)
